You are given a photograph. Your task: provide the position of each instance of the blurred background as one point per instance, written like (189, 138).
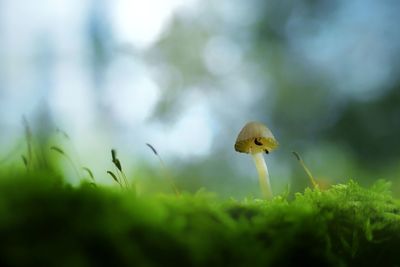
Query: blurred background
(185, 76)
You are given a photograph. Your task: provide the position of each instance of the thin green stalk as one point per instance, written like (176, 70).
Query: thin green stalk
(61, 152)
(308, 172)
(165, 170)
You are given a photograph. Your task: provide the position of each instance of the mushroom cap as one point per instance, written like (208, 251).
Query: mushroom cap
(254, 138)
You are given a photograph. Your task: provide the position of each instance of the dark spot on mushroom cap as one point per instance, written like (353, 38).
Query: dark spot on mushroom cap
(257, 142)
(266, 151)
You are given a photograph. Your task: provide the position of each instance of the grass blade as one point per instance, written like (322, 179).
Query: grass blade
(166, 172)
(28, 137)
(25, 160)
(89, 172)
(63, 133)
(152, 148)
(59, 150)
(308, 172)
(115, 160)
(118, 165)
(114, 177)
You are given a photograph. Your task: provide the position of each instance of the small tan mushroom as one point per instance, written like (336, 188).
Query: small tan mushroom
(255, 139)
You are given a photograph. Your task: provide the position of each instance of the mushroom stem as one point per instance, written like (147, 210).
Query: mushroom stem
(263, 175)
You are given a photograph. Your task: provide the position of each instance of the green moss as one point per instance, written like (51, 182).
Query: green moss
(45, 222)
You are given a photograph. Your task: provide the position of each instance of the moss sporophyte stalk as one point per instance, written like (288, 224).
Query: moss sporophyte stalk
(255, 139)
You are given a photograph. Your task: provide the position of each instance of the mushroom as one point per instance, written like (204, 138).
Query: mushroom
(255, 139)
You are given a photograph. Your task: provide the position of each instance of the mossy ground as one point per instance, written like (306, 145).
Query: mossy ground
(46, 222)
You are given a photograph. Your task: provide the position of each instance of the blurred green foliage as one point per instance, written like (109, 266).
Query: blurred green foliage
(371, 129)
